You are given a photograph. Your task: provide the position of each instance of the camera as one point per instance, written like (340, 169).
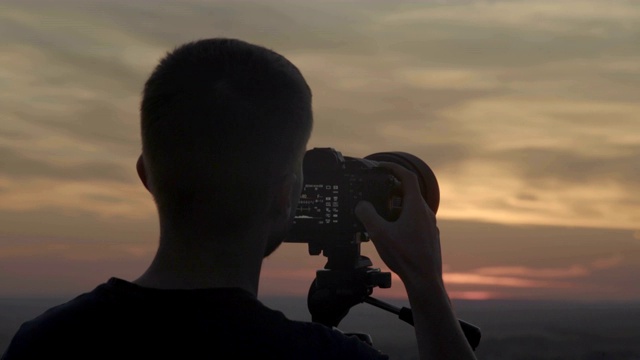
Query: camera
(325, 218)
(334, 184)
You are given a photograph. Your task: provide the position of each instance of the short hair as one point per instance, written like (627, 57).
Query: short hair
(221, 120)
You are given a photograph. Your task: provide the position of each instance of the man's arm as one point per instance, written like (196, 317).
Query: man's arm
(410, 247)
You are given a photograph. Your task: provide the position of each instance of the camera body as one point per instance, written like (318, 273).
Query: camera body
(332, 187)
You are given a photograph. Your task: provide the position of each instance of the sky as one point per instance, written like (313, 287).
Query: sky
(527, 112)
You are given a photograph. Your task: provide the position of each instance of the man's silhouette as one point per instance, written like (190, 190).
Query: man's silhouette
(225, 126)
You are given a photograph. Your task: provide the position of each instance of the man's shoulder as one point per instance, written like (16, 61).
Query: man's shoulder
(71, 311)
(206, 320)
(61, 321)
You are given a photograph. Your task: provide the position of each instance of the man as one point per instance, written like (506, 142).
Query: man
(225, 126)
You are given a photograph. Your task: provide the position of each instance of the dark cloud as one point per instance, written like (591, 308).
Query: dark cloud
(542, 168)
(468, 245)
(487, 46)
(508, 33)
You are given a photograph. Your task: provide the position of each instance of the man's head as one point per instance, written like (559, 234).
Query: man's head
(224, 123)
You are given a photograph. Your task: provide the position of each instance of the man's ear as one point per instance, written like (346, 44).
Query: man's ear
(283, 201)
(142, 172)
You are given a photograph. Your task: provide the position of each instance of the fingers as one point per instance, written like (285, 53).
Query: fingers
(369, 216)
(409, 180)
(413, 202)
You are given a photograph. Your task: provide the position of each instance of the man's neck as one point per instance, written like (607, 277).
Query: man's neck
(188, 262)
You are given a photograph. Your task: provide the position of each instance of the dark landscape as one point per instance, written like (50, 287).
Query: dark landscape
(510, 329)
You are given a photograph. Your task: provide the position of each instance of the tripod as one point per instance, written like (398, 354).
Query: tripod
(347, 280)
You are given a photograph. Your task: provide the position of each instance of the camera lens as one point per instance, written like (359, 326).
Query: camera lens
(426, 178)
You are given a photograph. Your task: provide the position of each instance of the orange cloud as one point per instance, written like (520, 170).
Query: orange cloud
(507, 281)
(528, 277)
(572, 271)
(474, 295)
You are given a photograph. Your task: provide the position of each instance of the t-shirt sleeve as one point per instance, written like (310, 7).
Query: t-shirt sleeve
(22, 345)
(321, 342)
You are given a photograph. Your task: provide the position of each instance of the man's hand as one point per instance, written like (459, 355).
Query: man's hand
(410, 247)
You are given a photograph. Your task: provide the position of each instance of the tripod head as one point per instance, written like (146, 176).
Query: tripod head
(348, 280)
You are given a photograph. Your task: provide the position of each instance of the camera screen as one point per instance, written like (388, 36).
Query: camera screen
(319, 204)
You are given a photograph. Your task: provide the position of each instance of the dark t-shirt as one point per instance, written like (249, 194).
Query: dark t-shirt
(120, 320)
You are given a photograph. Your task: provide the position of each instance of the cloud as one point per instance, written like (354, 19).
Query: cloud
(18, 166)
(468, 246)
(607, 262)
(554, 151)
(572, 166)
(553, 273)
(452, 79)
(507, 281)
(104, 199)
(563, 262)
(43, 225)
(50, 248)
(565, 17)
(474, 295)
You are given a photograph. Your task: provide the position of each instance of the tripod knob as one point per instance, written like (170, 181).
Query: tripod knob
(377, 278)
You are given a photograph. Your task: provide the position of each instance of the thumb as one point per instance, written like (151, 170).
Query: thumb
(369, 216)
